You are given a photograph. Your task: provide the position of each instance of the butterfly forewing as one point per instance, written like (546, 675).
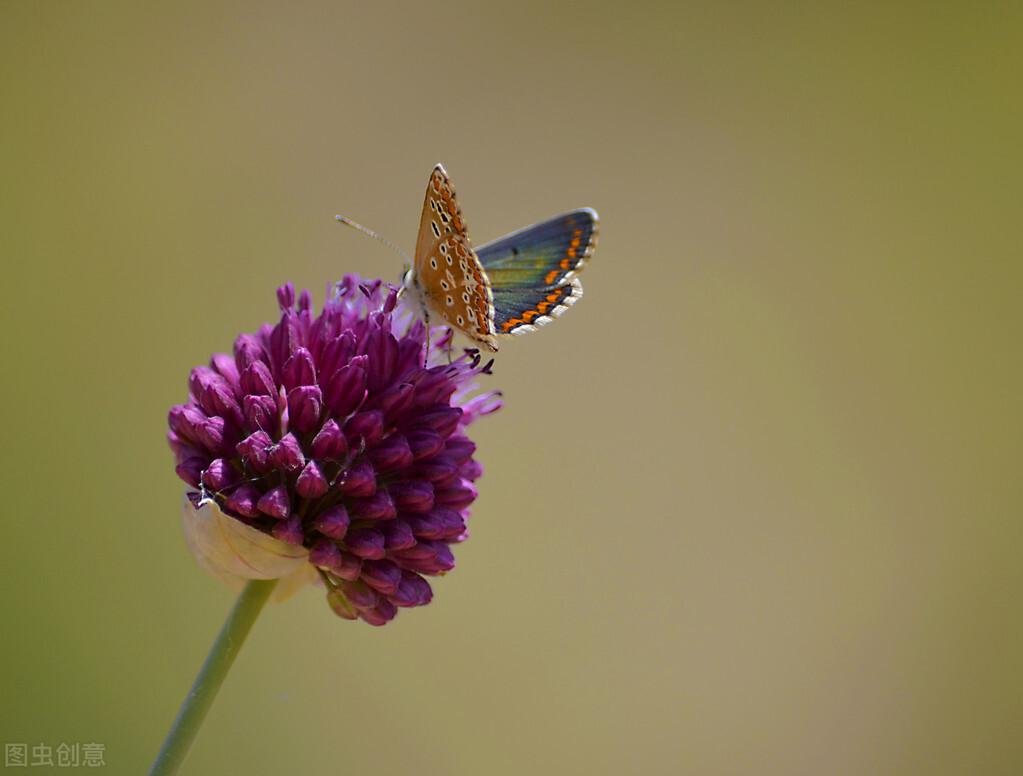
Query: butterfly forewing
(543, 255)
(451, 278)
(441, 215)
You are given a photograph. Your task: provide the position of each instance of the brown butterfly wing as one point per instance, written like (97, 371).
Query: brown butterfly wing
(450, 275)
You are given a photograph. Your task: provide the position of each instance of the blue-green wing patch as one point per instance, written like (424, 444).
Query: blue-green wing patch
(520, 310)
(541, 256)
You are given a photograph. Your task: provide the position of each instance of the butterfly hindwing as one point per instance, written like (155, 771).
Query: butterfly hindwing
(521, 310)
(456, 286)
(547, 254)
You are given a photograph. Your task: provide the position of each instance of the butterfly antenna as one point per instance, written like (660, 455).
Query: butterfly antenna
(360, 228)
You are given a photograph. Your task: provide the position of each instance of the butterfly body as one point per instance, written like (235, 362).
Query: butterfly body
(510, 286)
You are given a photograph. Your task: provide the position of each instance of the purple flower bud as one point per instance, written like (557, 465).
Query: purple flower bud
(384, 576)
(459, 448)
(424, 550)
(391, 454)
(361, 596)
(213, 393)
(212, 434)
(247, 350)
(427, 557)
(368, 426)
(255, 451)
(304, 406)
(347, 388)
(182, 449)
(443, 420)
(286, 297)
(390, 301)
(424, 526)
(256, 380)
(447, 483)
(185, 420)
(471, 470)
(198, 379)
(325, 554)
(299, 369)
(285, 337)
(412, 495)
(219, 475)
(434, 469)
(360, 480)
(410, 350)
(395, 400)
(226, 368)
(286, 455)
(333, 523)
(381, 614)
(458, 497)
(217, 399)
(412, 591)
(311, 483)
(443, 559)
(329, 443)
(382, 352)
(276, 503)
(340, 605)
(337, 353)
(289, 530)
(440, 523)
(379, 506)
(260, 412)
(350, 568)
(433, 387)
(425, 443)
(190, 470)
(397, 535)
(244, 500)
(366, 543)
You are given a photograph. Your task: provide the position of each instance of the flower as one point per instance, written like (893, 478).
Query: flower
(340, 437)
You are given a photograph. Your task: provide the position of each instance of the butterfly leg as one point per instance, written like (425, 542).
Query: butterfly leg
(426, 320)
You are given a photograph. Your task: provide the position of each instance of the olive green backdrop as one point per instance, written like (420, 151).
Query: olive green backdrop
(753, 506)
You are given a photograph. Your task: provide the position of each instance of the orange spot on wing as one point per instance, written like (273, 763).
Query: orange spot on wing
(551, 299)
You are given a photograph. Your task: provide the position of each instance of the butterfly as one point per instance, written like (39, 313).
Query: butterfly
(510, 286)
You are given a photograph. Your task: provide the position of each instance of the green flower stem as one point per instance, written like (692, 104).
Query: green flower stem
(211, 676)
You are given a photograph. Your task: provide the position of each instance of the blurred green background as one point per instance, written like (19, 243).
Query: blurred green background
(777, 530)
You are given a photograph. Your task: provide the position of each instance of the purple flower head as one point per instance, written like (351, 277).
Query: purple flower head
(329, 433)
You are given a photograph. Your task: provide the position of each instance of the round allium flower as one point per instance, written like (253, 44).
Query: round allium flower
(341, 436)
